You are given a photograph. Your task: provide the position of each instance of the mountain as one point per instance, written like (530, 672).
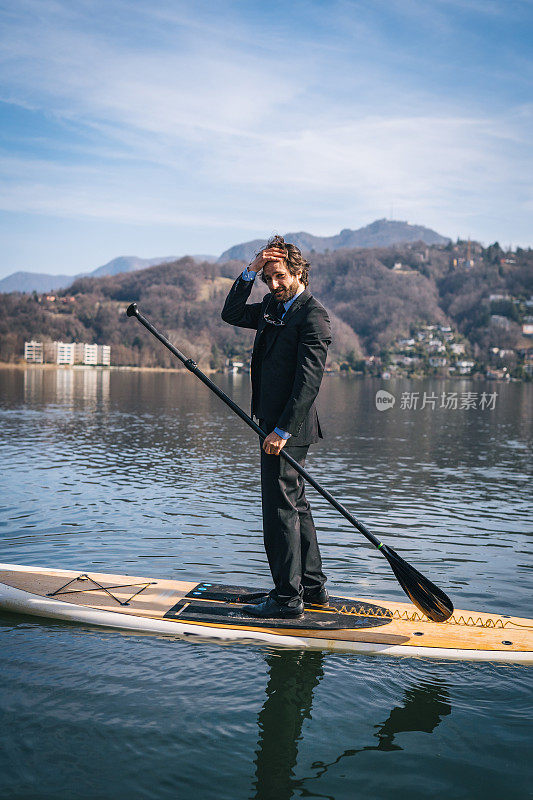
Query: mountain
(381, 233)
(42, 282)
(34, 281)
(125, 264)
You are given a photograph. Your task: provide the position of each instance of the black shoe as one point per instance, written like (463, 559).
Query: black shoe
(253, 599)
(316, 597)
(271, 609)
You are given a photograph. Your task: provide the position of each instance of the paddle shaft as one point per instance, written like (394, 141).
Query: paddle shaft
(193, 367)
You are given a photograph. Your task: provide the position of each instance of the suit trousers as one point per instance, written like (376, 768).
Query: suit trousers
(288, 528)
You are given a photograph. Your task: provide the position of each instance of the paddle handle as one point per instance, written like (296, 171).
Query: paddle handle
(191, 365)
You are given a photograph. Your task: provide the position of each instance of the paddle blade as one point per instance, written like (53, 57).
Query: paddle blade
(436, 605)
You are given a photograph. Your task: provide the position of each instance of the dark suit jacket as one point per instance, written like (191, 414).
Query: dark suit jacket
(287, 361)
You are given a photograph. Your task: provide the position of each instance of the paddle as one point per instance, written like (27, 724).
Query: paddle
(423, 593)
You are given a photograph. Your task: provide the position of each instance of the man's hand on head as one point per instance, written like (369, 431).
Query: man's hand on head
(274, 444)
(264, 256)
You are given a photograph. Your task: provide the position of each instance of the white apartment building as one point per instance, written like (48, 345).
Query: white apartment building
(67, 353)
(33, 352)
(86, 353)
(59, 352)
(104, 355)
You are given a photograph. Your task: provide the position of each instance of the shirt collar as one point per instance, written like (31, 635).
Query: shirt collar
(289, 303)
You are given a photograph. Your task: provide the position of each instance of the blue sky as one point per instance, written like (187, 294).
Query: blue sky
(166, 128)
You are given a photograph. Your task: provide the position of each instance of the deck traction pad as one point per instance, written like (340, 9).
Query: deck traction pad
(212, 603)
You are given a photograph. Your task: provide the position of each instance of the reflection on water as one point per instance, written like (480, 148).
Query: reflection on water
(293, 675)
(424, 706)
(293, 678)
(62, 385)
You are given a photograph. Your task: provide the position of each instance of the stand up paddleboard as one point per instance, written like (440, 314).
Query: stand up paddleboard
(212, 611)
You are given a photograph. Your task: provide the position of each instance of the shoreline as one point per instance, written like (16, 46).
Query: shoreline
(183, 370)
(99, 368)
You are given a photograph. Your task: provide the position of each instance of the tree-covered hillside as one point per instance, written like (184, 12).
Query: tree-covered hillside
(374, 296)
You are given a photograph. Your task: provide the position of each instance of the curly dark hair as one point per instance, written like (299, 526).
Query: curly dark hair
(294, 260)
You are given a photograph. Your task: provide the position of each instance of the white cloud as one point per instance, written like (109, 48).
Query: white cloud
(195, 86)
(187, 122)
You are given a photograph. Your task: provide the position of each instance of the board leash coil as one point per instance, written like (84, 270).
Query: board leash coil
(415, 616)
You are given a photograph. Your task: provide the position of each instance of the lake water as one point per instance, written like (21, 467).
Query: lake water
(150, 474)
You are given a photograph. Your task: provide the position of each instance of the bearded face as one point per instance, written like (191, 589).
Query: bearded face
(279, 280)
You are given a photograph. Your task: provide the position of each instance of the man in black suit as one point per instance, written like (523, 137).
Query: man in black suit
(288, 360)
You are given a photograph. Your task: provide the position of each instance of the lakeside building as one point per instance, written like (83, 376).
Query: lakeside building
(527, 326)
(59, 352)
(67, 353)
(86, 353)
(33, 352)
(104, 355)
(465, 366)
(234, 366)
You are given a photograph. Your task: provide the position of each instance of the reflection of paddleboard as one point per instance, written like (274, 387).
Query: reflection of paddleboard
(207, 610)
